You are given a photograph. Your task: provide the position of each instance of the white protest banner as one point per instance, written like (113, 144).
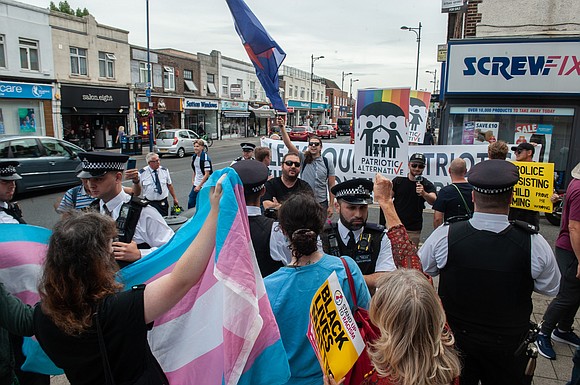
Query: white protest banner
(418, 113)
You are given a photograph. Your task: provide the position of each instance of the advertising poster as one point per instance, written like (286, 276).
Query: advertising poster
(27, 120)
(535, 186)
(381, 131)
(418, 115)
(535, 133)
(2, 131)
(332, 330)
(485, 132)
(468, 132)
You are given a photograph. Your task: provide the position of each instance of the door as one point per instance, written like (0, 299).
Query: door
(32, 168)
(61, 161)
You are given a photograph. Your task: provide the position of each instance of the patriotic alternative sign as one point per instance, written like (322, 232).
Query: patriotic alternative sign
(418, 115)
(332, 330)
(381, 131)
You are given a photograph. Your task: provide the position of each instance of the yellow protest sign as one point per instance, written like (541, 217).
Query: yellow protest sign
(535, 186)
(332, 330)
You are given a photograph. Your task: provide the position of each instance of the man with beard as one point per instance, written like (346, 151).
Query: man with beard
(278, 189)
(364, 242)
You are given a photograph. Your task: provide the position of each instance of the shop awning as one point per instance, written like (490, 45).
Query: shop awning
(263, 113)
(236, 114)
(190, 85)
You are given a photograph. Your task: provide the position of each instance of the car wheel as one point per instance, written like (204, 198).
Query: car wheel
(180, 152)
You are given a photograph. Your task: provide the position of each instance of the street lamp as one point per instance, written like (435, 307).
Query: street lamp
(418, 33)
(342, 87)
(434, 81)
(312, 60)
(350, 99)
(148, 90)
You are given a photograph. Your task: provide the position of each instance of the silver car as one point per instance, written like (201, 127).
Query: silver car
(44, 161)
(176, 141)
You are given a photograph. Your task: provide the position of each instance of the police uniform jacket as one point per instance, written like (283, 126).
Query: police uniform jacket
(148, 182)
(151, 227)
(260, 231)
(10, 213)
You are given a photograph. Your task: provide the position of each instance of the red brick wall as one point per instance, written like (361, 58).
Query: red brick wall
(472, 17)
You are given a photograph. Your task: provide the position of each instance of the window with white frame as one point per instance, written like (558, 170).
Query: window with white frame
(107, 65)
(290, 90)
(78, 61)
(253, 93)
(302, 93)
(168, 78)
(211, 84)
(2, 51)
(29, 59)
(225, 85)
(143, 73)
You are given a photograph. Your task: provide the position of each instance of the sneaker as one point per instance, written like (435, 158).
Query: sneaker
(569, 337)
(545, 348)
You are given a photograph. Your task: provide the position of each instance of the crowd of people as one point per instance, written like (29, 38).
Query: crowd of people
(469, 331)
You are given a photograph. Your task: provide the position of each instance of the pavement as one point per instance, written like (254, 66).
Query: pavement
(548, 372)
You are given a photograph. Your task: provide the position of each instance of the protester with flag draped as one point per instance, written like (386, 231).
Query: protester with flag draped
(264, 52)
(85, 324)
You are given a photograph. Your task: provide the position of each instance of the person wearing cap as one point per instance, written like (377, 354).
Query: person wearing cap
(317, 171)
(489, 269)
(410, 194)
(254, 175)
(9, 212)
(156, 184)
(280, 188)
(524, 153)
(559, 317)
(141, 228)
(352, 235)
(247, 152)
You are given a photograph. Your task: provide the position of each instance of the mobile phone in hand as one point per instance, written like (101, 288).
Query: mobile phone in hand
(131, 163)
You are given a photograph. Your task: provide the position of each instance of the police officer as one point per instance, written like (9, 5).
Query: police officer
(364, 242)
(247, 152)
(489, 269)
(254, 175)
(157, 184)
(141, 228)
(9, 212)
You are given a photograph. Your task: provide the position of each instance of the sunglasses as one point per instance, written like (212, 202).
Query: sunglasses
(520, 150)
(314, 144)
(417, 165)
(289, 163)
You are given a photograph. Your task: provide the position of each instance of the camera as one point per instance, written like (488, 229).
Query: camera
(271, 213)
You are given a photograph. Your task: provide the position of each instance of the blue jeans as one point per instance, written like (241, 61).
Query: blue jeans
(192, 198)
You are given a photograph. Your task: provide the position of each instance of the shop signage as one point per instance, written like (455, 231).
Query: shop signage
(25, 91)
(441, 52)
(89, 97)
(449, 6)
(537, 67)
(234, 106)
(199, 104)
(306, 105)
(236, 90)
(506, 110)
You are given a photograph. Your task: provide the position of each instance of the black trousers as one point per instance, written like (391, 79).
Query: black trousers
(25, 378)
(563, 308)
(162, 206)
(492, 365)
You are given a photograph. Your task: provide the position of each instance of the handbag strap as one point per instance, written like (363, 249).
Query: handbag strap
(462, 198)
(350, 283)
(107, 368)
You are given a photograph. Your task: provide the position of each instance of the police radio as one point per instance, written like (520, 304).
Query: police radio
(122, 220)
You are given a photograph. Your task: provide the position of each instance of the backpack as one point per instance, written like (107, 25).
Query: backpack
(325, 165)
(204, 156)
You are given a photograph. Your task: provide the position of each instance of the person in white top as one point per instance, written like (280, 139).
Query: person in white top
(141, 228)
(156, 184)
(201, 165)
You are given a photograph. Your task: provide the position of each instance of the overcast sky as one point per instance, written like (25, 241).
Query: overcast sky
(358, 36)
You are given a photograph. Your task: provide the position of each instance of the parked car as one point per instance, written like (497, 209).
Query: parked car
(334, 126)
(177, 141)
(301, 133)
(326, 131)
(343, 125)
(44, 161)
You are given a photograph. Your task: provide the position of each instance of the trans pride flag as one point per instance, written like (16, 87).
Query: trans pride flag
(223, 331)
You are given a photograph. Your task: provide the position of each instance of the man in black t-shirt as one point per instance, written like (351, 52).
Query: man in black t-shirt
(410, 194)
(455, 199)
(278, 189)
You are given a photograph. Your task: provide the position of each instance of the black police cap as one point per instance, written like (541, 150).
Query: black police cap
(355, 191)
(252, 173)
(524, 146)
(98, 163)
(247, 146)
(493, 176)
(8, 170)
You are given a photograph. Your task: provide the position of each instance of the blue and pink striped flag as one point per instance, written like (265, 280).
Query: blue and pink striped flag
(223, 331)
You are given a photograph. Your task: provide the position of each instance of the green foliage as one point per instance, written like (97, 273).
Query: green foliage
(64, 7)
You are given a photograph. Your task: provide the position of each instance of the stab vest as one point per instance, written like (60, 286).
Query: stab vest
(260, 229)
(486, 285)
(14, 211)
(367, 248)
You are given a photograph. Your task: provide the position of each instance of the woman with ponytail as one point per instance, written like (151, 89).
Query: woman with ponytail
(291, 289)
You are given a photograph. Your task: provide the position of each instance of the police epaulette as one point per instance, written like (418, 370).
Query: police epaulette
(163, 168)
(374, 226)
(139, 201)
(141, 171)
(529, 228)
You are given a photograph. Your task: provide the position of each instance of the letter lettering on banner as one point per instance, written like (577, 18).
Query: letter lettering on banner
(418, 115)
(332, 331)
(534, 187)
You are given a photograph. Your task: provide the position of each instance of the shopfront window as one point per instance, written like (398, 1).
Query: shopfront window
(549, 126)
(29, 59)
